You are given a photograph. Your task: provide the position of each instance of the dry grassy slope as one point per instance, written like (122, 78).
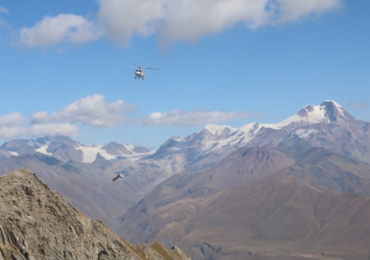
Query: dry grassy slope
(300, 211)
(36, 223)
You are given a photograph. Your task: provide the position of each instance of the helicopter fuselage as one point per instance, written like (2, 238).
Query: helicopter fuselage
(139, 73)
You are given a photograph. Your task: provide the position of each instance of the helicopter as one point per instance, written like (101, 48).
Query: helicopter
(117, 177)
(139, 73)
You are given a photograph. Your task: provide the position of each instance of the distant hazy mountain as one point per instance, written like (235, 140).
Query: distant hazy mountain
(302, 209)
(66, 149)
(328, 126)
(89, 186)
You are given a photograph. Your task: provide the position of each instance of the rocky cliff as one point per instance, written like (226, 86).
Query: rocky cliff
(37, 223)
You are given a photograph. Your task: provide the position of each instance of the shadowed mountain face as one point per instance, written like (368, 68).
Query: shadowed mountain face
(298, 212)
(119, 149)
(36, 223)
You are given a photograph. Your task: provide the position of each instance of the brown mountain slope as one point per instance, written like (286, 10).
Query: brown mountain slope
(36, 223)
(276, 219)
(335, 172)
(243, 165)
(300, 211)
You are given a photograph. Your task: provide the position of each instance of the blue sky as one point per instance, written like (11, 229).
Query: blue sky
(66, 66)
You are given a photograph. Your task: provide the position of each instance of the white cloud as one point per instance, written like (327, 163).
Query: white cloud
(13, 119)
(189, 20)
(3, 9)
(90, 110)
(122, 19)
(171, 20)
(64, 27)
(96, 112)
(38, 130)
(196, 117)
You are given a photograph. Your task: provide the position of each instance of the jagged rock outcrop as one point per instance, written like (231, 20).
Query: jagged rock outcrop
(36, 223)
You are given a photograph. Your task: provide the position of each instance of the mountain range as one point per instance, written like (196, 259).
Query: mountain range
(67, 149)
(328, 126)
(292, 190)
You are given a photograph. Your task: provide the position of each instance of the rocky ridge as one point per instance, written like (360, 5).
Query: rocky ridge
(37, 223)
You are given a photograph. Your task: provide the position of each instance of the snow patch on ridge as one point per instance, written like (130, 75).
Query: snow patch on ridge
(43, 149)
(216, 129)
(303, 133)
(13, 153)
(90, 152)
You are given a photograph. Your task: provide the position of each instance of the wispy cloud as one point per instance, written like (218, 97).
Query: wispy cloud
(38, 130)
(3, 23)
(292, 10)
(196, 117)
(362, 105)
(3, 9)
(171, 20)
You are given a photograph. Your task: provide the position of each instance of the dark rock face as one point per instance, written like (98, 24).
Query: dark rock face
(115, 148)
(304, 112)
(63, 148)
(37, 223)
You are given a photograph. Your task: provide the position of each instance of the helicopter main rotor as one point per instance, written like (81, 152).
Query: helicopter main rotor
(145, 67)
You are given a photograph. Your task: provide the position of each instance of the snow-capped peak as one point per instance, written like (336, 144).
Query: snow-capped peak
(327, 112)
(331, 101)
(217, 129)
